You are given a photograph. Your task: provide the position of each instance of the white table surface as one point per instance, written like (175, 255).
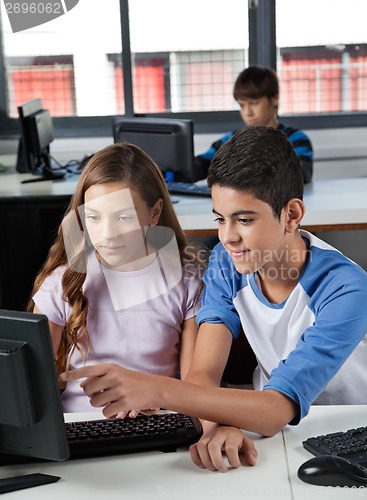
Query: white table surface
(332, 202)
(150, 475)
(155, 474)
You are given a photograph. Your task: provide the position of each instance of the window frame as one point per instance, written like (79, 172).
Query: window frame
(262, 50)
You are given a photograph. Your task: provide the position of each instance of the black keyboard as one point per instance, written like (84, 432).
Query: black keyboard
(162, 431)
(93, 438)
(350, 444)
(188, 188)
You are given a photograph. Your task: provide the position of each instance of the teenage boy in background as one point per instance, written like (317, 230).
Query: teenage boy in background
(300, 302)
(257, 92)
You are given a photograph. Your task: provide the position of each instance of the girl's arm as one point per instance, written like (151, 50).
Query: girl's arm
(55, 330)
(188, 340)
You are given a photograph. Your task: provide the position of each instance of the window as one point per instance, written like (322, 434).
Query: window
(324, 80)
(322, 60)
(183, 58)
(50, 78)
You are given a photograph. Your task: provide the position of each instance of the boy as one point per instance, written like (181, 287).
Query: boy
(257, 92)
(301, 303)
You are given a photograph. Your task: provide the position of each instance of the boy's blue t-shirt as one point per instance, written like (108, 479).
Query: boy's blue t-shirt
(313, 346)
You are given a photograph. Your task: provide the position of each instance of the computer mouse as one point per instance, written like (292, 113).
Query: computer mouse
(328, 470)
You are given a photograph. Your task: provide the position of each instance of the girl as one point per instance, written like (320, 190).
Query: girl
(120, 283)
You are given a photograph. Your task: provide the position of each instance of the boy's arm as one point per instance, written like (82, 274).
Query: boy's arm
(117, 390)
(211, 354)
(202, 161)
(207, 369)
(307, 169)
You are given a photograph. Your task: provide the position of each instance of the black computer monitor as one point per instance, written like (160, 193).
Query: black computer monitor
(31, 416)
(168, 141)
(34, 143)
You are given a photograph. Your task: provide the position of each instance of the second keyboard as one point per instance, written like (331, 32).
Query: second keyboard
(350, 444)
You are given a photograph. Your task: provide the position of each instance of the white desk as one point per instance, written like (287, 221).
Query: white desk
(331, 205)
(146, 476)
(150, 475)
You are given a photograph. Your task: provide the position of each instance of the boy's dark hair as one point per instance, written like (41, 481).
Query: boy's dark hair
(261, 161)
(255, 82)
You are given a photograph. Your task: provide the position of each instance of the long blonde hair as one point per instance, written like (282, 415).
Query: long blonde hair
(125, 163)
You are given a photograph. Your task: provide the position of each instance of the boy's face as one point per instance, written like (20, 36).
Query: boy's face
(248, 230)
(260, 111)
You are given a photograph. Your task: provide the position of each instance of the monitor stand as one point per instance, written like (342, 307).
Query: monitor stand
(25, 481)
(22, 481)
(45, 172)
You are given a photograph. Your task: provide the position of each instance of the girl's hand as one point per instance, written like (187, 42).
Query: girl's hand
(135, 413)
(117, 390)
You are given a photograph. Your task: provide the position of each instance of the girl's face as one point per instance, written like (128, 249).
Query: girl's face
(116, 218)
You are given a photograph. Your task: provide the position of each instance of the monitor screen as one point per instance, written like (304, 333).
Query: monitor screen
(31, 415)
(34, 143)
(168, 141)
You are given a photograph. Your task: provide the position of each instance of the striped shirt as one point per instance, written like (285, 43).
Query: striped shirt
(300, 141)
